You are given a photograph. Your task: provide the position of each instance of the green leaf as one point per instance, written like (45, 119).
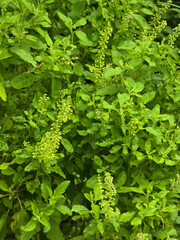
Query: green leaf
(64, 209)
(22, 80)
(108, 90)
(129, 189)
(148, 145)
(2, 221)
(91, 182)
(141, 20)
(115, 149)
(3, 146)
(61, 189)
(31, 38)
(56, 87)
(110, 72)
(98, 161)
(35, 209)
(67, 21)
(100, 227)
(4, 166)
(68, 146)
(127, 216)
(155, 132)
(80, 209)
(9, 171)
(27, 4)
(24, 54)
(85, 96)
(127, 45)
(82, 132)
(123, 98)
(146, 11)
(2, 92)
(33, 124)
(32, 185)
(4, 54)
(121, 179)
(58, 170)
(140, 156)
(19, 119)
(79, 23)
(105, 13)
(90, 230)
(111, 157)
(136, 221)
(78, 68)
(168, 117)
(4, 186)
(30, 226)
(84, 39)
(138, 87)
(44, 221)
(147, 97)
(178, 220)
(45, 35)
(149, 61)
(46, 191)
(55, 232)
(32, 166)
(155, 112)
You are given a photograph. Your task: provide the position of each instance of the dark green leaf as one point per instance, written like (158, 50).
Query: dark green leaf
(22, 80)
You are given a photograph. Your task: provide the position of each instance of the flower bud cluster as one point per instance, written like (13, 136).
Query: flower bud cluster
(174, 36)
(157, 24)
(175, 184)
(99, 67)
(142, 236)
(108, 192)
(51, 141)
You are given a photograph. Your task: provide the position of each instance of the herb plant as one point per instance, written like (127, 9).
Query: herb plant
(89, 127)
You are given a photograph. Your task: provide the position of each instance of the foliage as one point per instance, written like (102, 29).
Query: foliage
(89, 130)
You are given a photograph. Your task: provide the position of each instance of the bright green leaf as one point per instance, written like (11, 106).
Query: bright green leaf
(61, 189)
(24, 54)
(68, 146)
(84, 39)
(138, 87)
(30, 226)
(4, 54)
(129, 189)
(155, 132)
(126, 217)
(79, 23)
(2, 92)
(4, 186)
(110, 72)
(136, 221)
(67, 21)
(80, 209)
(141, 20)
(64, 209)
(100, 227)
(147, 97)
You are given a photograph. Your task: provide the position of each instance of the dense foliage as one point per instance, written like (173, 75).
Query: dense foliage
(89, 127)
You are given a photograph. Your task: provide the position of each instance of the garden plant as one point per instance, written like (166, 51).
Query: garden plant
(89, 120)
